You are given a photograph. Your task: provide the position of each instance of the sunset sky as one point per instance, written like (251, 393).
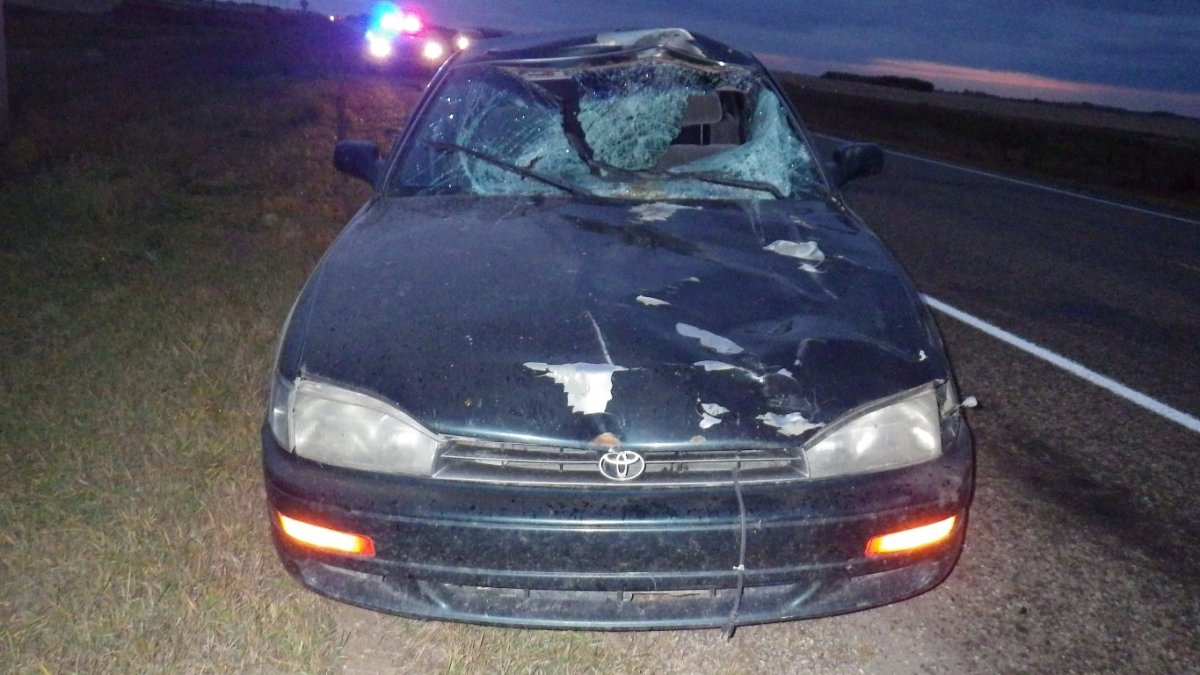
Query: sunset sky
(1139, 55)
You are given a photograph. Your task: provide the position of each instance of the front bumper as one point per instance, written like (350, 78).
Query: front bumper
(619, 557)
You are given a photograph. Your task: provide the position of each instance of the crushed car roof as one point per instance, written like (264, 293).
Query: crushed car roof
(571, 44)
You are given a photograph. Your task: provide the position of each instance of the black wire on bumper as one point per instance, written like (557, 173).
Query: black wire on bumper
(731, 622)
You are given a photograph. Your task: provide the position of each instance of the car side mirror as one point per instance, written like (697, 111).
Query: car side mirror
(856, 160)
(359, 159)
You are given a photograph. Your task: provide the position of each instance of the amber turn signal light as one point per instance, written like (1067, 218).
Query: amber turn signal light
(325, 539)
(911, 539)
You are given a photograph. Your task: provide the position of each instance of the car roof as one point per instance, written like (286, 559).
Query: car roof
(545, 46)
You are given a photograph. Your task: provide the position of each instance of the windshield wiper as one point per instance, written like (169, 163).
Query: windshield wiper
(720, 179)
(702, 176)
(508, 166)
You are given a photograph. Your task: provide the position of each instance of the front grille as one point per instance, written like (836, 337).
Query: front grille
(476, 460)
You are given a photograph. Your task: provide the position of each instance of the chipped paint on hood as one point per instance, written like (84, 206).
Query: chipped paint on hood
(807, 251)
(791, 424)
(588, 385)
(713, 341)
(719, 366)
(710, 414)
(652, 302)
(657, 211)
(716, 365)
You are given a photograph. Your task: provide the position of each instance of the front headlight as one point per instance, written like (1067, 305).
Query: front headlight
(898, 431)
(433, 51)
(378, 47)
(332, 425)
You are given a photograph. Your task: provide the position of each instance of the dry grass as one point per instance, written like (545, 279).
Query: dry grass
(382, 644)
(158, 218)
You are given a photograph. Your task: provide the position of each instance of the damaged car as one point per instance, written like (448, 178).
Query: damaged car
(606, 349)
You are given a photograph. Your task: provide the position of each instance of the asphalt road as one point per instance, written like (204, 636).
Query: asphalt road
(1083, 545)
(1082, 549)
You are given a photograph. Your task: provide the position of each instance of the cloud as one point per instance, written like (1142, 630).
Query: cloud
(1009, 83)
(1027, 85)
(962, 76)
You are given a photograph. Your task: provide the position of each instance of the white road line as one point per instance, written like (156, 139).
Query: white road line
(1135, 397)
(1025, 183)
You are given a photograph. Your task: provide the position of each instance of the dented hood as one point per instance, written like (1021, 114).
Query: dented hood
(555, 319)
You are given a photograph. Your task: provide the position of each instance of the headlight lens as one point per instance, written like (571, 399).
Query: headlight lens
(332, 425)
(896, 432)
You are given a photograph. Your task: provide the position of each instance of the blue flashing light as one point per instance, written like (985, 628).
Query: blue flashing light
(389, 20)
(386, 19)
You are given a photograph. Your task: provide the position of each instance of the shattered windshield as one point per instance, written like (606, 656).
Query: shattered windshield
(653, 128)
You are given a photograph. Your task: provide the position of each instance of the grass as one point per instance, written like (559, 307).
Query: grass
(154, 234)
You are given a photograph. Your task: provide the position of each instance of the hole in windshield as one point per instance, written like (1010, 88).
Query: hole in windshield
(656, 128)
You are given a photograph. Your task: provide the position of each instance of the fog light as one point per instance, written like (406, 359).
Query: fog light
(911, 539)
(325, 539)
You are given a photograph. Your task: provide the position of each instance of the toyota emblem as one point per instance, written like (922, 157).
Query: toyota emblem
(622, 465)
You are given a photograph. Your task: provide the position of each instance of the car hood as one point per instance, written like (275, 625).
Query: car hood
(556, 320)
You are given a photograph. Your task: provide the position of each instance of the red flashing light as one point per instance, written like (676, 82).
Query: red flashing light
(411, 23)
